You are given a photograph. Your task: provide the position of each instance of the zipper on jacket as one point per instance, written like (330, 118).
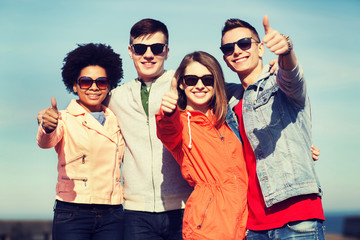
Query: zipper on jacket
(152, 160)
(114, 169)
(76, 179)
(74, 160)
(221, 136)
(151, 146)
(203, 219)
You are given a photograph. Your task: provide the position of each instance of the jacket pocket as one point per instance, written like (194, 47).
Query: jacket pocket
(265, 96)
(204, 214)
(196, 209)
(79, 158)
(63, 216)
(75, 179)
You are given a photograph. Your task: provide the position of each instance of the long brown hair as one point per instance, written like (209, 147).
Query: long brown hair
(218, 103)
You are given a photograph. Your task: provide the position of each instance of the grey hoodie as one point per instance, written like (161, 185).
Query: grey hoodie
(152, 178)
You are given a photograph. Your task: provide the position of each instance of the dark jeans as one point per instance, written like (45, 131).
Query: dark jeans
(304, 230)
(153, 226)
(73, 221)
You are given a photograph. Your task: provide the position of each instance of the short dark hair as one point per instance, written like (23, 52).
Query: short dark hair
(236, 23)
(92, 54)
(148, 26)
(218, 103)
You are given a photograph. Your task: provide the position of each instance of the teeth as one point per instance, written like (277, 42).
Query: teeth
(93, 96)
(200, 94)
(240, 60)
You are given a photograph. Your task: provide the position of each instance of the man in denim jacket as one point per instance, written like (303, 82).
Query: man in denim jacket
(271, 116)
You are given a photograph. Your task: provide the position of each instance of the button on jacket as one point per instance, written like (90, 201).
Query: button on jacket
(277, 119)
(212, 161)
(89, 156)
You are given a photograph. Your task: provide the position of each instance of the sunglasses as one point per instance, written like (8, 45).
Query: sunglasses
(156, 48)
(87, 82)
(243, 44)
(192, 80)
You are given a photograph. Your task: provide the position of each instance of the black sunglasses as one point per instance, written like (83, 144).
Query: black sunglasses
(192, 80)
(243, 44)
(87, 82)
(156, 48)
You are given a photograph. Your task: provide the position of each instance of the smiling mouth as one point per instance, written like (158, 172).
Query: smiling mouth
(243, 59)
(148, 64)
(93, 96)
(199, 94)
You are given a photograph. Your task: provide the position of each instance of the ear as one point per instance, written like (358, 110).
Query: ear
(181, 86)
(75, 88)
(261, 49)
(130, 51)
(167, 53)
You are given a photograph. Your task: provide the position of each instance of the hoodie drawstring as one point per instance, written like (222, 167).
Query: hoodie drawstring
(188, 119)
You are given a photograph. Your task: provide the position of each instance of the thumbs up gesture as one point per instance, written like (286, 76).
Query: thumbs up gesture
(276, 42)
(50, 117)
(169, 101)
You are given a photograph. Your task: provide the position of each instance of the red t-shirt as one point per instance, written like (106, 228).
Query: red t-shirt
(293, 209)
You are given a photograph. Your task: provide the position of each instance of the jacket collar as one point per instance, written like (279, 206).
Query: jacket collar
(110, 127)
(258, 85)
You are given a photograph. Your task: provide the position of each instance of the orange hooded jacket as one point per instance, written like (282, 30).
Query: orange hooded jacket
(212, 161)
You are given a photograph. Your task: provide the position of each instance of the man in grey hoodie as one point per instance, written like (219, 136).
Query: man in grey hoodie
(155, 192)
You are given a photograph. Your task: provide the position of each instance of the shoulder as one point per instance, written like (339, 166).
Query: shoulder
(166, 77)
(124, 86)
(233, 89)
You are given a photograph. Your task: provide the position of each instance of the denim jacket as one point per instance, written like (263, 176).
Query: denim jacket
(277, 119)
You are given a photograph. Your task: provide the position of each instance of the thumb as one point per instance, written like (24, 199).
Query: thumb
(266, 24)
(173, 87)
(53, 104)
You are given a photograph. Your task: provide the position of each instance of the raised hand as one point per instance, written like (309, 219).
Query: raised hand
(50, 117)
(169, 100)
(276, 42)
(280, 45)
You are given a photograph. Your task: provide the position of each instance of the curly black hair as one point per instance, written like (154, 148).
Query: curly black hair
(92, 54)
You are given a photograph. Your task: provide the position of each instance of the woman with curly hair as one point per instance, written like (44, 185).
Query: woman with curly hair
(90, 147)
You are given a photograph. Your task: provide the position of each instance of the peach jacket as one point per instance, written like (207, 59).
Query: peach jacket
(89, 156)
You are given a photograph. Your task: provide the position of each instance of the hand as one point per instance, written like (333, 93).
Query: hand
(169, 100)
(315, 153)
(274, 65)
(276, 42)
(50, 117)
(41, 114)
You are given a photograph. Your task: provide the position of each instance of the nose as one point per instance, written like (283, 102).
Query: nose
(94, 87)
(237, 50)
(148, 52)
(199, 84)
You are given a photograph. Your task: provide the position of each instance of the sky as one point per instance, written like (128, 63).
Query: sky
(35, 36)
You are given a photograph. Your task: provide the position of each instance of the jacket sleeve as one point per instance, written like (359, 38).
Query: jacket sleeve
(292, 83)
(49, 140)
(169, 131)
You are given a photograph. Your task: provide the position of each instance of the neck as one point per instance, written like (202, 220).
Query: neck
(248, 78)
(202, 109)
(90, 108)
(152, 78)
